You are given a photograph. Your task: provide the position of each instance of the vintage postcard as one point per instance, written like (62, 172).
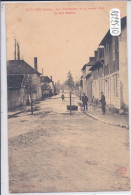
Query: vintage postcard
(67, 76)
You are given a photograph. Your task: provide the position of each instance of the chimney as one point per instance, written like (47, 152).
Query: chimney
(35, 63)
(96, 54)
(101, 52)
(92, 59)
(18, 51)
(15, 51)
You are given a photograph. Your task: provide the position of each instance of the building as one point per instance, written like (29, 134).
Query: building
(116, 68)
(23, 83)
(97, 74)
(109, 71)
(16, 92)
(47, 86)
(86, 81)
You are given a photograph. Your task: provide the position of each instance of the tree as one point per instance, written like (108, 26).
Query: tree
(70, 82)
(76, 85)
(30, 89)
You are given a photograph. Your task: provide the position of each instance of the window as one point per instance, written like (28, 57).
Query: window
(115, 80)
(107, 54)
(108, 86)
(114, 47)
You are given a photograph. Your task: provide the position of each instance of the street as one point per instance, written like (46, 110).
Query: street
(55, 151)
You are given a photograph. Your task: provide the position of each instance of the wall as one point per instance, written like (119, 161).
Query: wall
(84, 86)
(36, 81)
(123, 66)
(52, 87)
(16, 97)
(111, 55)
(95, 89)
(116, 72)
(46, 88)
(19, 97)
(112, 90)
(100, 71)
(89, 88)
(111, 72)
(95, 74)
(112, 79)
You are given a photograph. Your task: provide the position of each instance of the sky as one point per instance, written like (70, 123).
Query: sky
(62, 35)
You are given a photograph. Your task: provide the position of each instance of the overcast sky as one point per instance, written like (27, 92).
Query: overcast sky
(61, 42)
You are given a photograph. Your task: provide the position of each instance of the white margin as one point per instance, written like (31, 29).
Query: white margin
(4, 131)
(129, 72)
(4, 120)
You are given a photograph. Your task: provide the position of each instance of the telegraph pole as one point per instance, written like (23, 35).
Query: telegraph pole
(15, 51)
(18, 51)
(70, 102)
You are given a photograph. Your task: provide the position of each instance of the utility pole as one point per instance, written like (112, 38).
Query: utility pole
(15, 51)
(31, 95)
(18, 51)
(70, 102)
(31, 105)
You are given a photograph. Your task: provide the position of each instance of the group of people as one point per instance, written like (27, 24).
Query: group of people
(85, 101)
(102, 100)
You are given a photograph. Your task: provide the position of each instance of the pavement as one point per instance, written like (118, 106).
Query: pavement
(23, 109)
(109, 117)
(18, 111)
(94, 112)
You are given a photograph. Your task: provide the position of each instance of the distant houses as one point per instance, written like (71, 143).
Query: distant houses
(47, 86)
(25, 83)
(107, 71)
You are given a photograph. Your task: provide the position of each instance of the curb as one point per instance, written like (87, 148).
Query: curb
(12, 115)
(105, 122)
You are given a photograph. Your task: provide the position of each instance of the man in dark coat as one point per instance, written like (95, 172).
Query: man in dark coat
(62, 97)
(84, 100)
(103, 102)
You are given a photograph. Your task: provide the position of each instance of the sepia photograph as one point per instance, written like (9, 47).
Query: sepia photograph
(68, 105)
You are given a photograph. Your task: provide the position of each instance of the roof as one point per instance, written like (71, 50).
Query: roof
(88, 75)
(15, 81)
(18, 67)
(123, 23)
(45, 79)
(88, 64)
(84, 67)
(91, 63)
(96, 65)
